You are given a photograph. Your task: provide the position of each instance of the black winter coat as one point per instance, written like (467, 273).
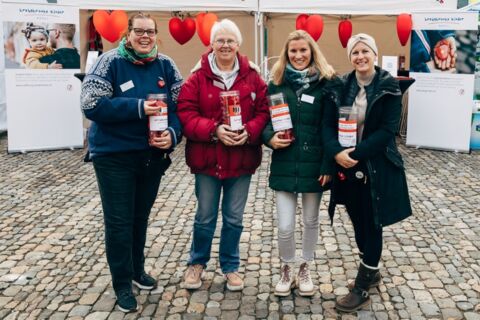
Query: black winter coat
(298, 167)
(377, 149)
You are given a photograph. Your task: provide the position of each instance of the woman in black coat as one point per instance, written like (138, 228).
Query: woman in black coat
(370, 179)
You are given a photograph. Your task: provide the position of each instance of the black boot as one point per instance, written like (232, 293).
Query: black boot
(358, 297)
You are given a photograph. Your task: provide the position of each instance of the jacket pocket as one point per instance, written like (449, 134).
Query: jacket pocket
(394, 157)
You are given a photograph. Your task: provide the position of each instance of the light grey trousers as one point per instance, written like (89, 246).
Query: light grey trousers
(286, 211)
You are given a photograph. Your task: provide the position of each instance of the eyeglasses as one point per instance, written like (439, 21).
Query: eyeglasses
(228, 42)
(140, 32)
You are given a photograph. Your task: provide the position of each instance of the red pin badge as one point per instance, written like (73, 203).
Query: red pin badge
(161, 82)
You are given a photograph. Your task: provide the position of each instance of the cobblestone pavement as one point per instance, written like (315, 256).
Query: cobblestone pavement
(53, 266)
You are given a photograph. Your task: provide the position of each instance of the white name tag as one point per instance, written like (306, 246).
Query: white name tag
(127, 86)
(218, 84)
(306, 98)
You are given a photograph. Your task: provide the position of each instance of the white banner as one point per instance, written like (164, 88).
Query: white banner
(3, 106)
(356, 6)
(441, 99)
(42, 95)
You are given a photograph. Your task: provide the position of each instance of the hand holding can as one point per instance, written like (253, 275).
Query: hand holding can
(158, 121)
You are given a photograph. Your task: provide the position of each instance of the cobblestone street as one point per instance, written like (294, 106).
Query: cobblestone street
(53, 265)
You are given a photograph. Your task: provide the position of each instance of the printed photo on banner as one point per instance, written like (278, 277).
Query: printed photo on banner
(33, 45)
(448, 51)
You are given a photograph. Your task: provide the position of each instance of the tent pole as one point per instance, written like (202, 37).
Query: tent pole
(262, 42)
(255, 28)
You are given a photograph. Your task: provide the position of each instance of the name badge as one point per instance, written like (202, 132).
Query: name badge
(127, 86)
(306, 98)
(218, 84)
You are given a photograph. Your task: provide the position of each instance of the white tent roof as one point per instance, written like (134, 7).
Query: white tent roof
(159, 5)
(356, 6)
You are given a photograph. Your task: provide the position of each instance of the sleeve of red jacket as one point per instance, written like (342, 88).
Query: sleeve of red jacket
(261, 116)
(195, 126)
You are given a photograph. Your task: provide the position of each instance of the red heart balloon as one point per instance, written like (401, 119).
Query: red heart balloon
(314, 26)
(301, 20)
(182, 31)
(404, 28)
(205, 23)
(344, 31)
(110, 26)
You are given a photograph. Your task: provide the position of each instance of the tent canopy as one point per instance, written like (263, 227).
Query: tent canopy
(159, 5)
(356, 6)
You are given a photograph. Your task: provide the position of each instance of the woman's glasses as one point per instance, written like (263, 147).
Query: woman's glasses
(140, 32)
(222, 42)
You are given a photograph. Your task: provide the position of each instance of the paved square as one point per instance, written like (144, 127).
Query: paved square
(53, 266)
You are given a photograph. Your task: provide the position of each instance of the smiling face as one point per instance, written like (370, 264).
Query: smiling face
(299, 54)
(143, 43)
(362, 58)
(37, 40)
(225, 47)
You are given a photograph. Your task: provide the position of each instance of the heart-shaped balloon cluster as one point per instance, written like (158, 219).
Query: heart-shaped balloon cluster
(313, 24)
(182, 30)
(110, 26)
(205, 22)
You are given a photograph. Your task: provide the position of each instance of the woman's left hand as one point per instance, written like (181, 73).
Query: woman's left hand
(324, 179)
(241, 138)
(163, 142)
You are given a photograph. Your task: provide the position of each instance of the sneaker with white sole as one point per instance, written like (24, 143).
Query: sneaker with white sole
(286, 283)
(234, 281)
(192, 278)
(126, 301)
(304, 281)
(144, 281)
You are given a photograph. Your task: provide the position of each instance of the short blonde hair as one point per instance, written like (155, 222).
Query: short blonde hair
(318, 60)
(227, 26)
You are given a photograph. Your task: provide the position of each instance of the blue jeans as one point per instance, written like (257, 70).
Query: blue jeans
(128, 185)
(235, 193)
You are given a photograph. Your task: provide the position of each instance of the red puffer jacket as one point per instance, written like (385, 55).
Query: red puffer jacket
(200, 112)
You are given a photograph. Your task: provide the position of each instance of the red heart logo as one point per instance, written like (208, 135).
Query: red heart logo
(205, 22)
(344, 32)
(110, 26)
(314, 26)
(182, 31)
(301, 21)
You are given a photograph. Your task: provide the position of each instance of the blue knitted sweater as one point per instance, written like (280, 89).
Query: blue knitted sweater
(113, 93)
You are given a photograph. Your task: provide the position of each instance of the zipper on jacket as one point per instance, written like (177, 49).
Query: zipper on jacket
(375, 99)
(297, 155)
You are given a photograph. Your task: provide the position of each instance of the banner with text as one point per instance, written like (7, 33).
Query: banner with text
(442, 61)
(42, 94)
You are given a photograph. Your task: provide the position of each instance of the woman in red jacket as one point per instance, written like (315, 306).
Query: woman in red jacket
(221, 158)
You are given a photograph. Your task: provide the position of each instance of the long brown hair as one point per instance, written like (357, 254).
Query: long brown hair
(318, 60)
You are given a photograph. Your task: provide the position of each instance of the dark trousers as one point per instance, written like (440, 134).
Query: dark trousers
(128, 185)
(369, 238)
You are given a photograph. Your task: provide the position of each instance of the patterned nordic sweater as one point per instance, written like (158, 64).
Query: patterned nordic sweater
(113, 93)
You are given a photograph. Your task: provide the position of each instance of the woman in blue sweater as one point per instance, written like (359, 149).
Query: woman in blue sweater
(128, 166)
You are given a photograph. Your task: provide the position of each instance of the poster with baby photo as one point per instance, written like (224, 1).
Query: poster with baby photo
(37, 45)
(42, 94)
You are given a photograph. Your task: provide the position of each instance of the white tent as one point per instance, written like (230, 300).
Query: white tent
(355, 6)
(257, 6)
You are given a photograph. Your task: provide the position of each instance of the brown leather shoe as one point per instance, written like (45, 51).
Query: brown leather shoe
(192, 278)
(234, 281)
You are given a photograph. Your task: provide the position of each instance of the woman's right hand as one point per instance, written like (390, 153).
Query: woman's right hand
(151, 107)
(344, 160)
(54, 65)
(278, 143)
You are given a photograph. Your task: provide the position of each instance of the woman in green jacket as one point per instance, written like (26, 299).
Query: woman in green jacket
(307, 82)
